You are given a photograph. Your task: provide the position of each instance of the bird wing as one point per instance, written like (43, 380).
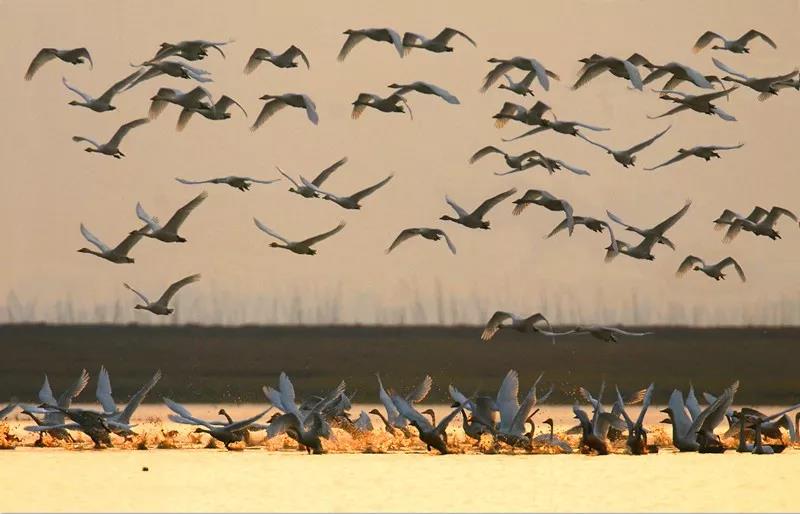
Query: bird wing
(498, 71)
(94, 240)
(493, 325)
(675, 159)
(351, 41)
(368, 191)
(270, 108)
(461, 212)
(174, 288)
(86, 98)
(733, 230)
(688, 263)
(752, 33)
(691, 403)
(626, 332)
(619, 406)
(558, 228)
(324, 174)
(293, 52)
(184, 414)
(116, 139)
(282, 422)
(409, 412)
(442, 93)
(590, 127)
(316, 239)
(194, 182)
(226, 101)
(447, 240)
(46, 393)
(674, 110)
(258, 55)
(487, 205)
(644, 144)
(392, 413)
(573, 169)
(483, 152)
(103, 392)
(724, 115)
(405, 234)
(311, 109)
(184, 118)
(44, 55)
(237, 426)
(72, 392)
(137, 293)
(138, 397)
(528, 133)
(259, 181)
(507, 402)
(735, 147)
(607, 149)
(269, 231)
(590, 72)
(705, 39)
(646, 400)
(421, 391)
(151, 221)
(633, 74)
(397, 41)
(181, 214)
(714, 413)
(115, 88)
(727, 69)
(290, 179)
(447, 34)
(728, 261)
(672, 220)
(755, 215)
(775, 213)
(617, 220)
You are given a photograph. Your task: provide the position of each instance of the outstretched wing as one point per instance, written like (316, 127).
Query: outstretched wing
(194, 182)
(316, 239)
(270, 108)
(86, 98)
(181, 214)
(626, 332)
(290, 179)
(689, 263)
(226, 101)
(92, 239)
(368, 191)
(672, 220)
(269, 231)
(404, 235)
(607, 149)
(492, 77)
(174, 288)
(351, 41)
(589, 73)
(730, 261)
(447, 34)
(103, 392)
(752, 33)
(776, 212)
(72, 392)
(293, 52)
(137, 293)
(644, 144)
(491, 202)
(324, 174)
(705, 39)
(44, 55)
(483, 152)
(421, 391)
(727, 69)
(138, 397)
(675, 159)
(116, 139)
(311, 109)
(493, 325)
(449, 242)
(461, 212)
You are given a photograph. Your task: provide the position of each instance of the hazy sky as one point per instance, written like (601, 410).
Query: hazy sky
(50, 184)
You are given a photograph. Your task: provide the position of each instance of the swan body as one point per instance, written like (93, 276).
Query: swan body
(737, 46)
(351, 202)
(117, 254)
(277, 102)
(308, 192)
(438, 44)
(287, 59)
(474, 219)
(72, 56)
(712, 270)
(299, 247)
(431, 234)
(355, 36)
(168, 233)
(627, 157)
(111, 148)
(703, 152)
(240, 183)
(161, 307)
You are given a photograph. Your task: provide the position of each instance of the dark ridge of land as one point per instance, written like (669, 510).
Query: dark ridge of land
(230, 364)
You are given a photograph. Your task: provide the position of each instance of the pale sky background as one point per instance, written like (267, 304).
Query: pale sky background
(50, 184)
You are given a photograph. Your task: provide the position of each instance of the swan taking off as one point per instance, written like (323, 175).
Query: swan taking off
(697, 433)
(227, 433)
(596, 65)
(392, 103)
(351, 201)
(277, 102)
(118, 254)
(299, 247)
(194, 99)
(73, 56)
(103, 102)
(169, 232)
(355, 36)
(438, 44)
(432, 234)
(627, 157)
(308, 192)
(697, 103)
(287, 59)
(703, 152)
(523, 325)
(659, 230)
(767, 86)
(546, 200)
(110, 409)
(503, 66)
(426, 88)
(240, 183)
(218, 111)
(111, 148)
(474, 219)
(737, 46)
(516, 112)
(194, 50)
(760, 222)
(712, 270)
(161, 306)
(394, 420)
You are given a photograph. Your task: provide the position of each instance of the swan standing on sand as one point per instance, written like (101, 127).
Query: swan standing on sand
(623, 68)
(659, 230)
(503, 66)
(307, 192)
(111, 148)
(194, 50)
(277, 102)
(169, 232)
(627, 157)
(593, 224)
(512, 111)
(355, 36)
(110, 409)
(240, 183)
(73, 56)
(118, 254)
(194, 99)
(437, 44)
(347, 202)
(432, 234)
(712, 270)
(432, 436)
(522, 325)
(474, 219)
(392, 103)
(737, 46)
(703, 152)
(760, 222)
(215, 112)
(283, 60)
(161, 307)
(697, 103)
(103, 102)
(299, 247)
(767, 86)
(546, 200)
(680, 73)
(426, 88)
(226, 433)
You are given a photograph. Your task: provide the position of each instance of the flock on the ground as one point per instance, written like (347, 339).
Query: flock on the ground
(488, 422)
(171, 61)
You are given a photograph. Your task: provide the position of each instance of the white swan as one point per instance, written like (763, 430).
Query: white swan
(737, 46)
(161, 307)
(110, 409)
(697, 434)
(513, 161)
(523, 87)
(767, 86)
(703, 152)
(103, 102)
(627, 157)
(307, 192)
(351, 201)
(551, 165)
(760, 222)
(593, 224)
(227, 433)
(513, 414)
(217, 111)
(355, 36)
(176, 69)
(562, 127)
(72, 56)
(282, 60)
(118, 254)
(658, 230)
(503, 66)
(394, 420)
(623, 68)
(712, 270)
(524, 325)
(426, 88)
(169, 232)
(437, 44)
(546, 200)
(194, 99)
(240, 183)
(392, 103)
(432, 234)
(516, 112)
(474, 219)
(193, 50)
(299, 247)
(111, 148)
(680, 73)
(637, 435)
(697, 103)
(277, 102)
